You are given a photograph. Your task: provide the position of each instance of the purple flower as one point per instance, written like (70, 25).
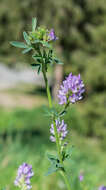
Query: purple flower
(81, 177)
(52, 36)
(24, 174)
(71, 90)
(102, 188)
(61, 130)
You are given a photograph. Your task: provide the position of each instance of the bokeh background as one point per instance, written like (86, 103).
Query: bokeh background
(24, 129)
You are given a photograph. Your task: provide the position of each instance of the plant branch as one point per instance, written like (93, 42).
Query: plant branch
(55, 129)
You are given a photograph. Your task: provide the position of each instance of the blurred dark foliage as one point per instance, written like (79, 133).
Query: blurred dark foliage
(81, 27)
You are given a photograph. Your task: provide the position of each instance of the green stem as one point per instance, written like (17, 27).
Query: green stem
(47, 86)
(60, 157)
(57, 142)
(65, 109)
(55, 129)
(66, 180)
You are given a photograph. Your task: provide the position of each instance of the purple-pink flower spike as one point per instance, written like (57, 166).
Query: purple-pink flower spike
(24, 174)
(52, 36)
(81, 177)
(102, 188)
(71, 90)
(61, 130)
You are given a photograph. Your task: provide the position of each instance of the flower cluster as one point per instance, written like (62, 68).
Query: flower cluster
(61, 130)
(102, 188)
(23, 176)
(71, 89)
(52, 36)
(42, 34)
(81, 177)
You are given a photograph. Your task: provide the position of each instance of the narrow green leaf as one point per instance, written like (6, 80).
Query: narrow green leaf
(62, 113)
(34, 24)
(26, 37)
(35, 65)
(53, 159)
(50, 53)
(37, 58)
(50, 61)
(58, 61)
(18, 44)
(46, 44)
(39, 69)
(70, 150)
(51, 170)
(67, 154)
(27, 50)
(36, 41)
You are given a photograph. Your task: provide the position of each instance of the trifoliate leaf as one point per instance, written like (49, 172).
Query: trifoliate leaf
(70, 150)
(53, 159)
(18, 44)
(51, 170)
(37, 58)
(55, 164)
(38, 66)
(67, 153)
(50, 112)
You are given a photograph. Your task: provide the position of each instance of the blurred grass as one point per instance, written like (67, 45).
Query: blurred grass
(24, 137)
(19, 121)
(22, 96)
(87, 157)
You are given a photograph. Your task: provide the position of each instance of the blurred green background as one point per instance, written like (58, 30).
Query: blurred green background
(24, 129)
